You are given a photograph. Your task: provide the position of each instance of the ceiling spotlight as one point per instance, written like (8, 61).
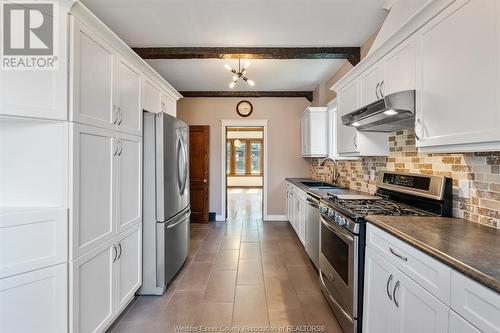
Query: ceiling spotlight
(356, 124)
(239, 74)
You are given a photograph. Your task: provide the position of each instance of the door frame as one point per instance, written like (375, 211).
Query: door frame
(242, 123)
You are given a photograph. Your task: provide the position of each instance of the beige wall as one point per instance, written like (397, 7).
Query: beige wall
(322, 94)
(283, 140)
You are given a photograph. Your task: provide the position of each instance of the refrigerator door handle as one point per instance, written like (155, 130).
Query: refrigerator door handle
(181, 168)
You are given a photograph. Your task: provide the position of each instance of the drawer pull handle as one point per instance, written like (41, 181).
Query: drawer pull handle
(398, 255)
(115, 253)
(394, 294)
(387, 287)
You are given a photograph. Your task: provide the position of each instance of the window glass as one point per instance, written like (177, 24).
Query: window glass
(240, 152)
(256, 156)
(228, 157)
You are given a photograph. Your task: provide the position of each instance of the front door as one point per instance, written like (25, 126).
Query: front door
(198, 170)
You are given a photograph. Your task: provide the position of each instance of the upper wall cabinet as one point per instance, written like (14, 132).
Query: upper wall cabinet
(458, 91)
(128, 109)
(314, 132)
(168, 104)
(92, 72)
(151, 96)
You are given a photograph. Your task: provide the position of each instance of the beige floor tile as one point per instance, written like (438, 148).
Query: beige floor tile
(196, 276)
(250, 272)
(227, 259)
(280, 294)
(317, 312)
(250, 307)
(231, 242)
(305, 279)
(180, 310)
(213, 315)
(287, 317)
(250, 251)
(221, 287)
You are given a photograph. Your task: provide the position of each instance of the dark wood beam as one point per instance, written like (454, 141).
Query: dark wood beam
(352, 54)
(305, 94)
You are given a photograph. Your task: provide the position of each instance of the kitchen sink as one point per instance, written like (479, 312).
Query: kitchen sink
(317, 184)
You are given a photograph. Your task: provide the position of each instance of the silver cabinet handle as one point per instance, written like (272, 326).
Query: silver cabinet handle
(120, 145)
(376, 90)
(400, 256)
(121, 116)
(116, 146)
(389, 279)
(355, 140)
(115, 253)
(115, 115)
(394, 294)
(382, 95)
(416, 135)
(120, 253)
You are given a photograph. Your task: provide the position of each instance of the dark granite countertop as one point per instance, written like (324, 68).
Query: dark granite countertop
(320, 194)
(470, 248)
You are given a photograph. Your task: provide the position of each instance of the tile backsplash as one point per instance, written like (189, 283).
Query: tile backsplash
(480, 170)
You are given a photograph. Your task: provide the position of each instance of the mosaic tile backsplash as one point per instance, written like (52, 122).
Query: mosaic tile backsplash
(481, 170)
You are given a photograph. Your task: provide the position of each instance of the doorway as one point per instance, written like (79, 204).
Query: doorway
(244, 168)
(199, 172)
(244, 171)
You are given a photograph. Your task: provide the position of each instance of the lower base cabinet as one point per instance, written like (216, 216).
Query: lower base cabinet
(42, 294)
(395, 303)
(104, 280)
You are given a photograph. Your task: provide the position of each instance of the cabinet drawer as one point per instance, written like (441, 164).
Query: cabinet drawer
(476, 303)
(431, 274)
(457, 324)
(32, 238)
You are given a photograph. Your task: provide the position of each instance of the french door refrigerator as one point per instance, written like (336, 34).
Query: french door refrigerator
(166, 209)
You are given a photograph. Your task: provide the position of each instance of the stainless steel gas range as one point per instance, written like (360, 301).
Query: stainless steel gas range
(342, 240)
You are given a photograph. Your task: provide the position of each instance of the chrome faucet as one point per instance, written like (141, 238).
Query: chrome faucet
(335, 175)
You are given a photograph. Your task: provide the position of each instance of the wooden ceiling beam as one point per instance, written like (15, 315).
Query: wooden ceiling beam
(242, 94)
(352, 54)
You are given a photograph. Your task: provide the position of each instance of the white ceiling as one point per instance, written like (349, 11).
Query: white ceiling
(269, 74)
(279, 23)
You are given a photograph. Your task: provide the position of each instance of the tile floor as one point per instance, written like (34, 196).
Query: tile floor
(241, 273)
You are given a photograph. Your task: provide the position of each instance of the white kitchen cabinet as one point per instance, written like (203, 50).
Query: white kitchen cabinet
(458, 80)
(378, 309)
(296, 210)
(168, 104)
(458, 324)
(290, 202)
(92, 295)
(416, 309)
(395, 303)
(314, 132)
(399, 68)
(301, 217)
(151, 96)
(128, 111)
(128, 181)
(128, 266)
(94, 165)
(91, 77)
(370, 82)
(35, 301)
(348, 101)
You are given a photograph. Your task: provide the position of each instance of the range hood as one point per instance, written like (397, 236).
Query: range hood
(391, 113)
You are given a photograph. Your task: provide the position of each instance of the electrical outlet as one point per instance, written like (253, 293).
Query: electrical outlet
(464, 189)
(373, 177)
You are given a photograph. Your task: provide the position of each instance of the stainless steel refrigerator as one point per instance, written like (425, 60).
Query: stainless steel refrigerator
(166, 209)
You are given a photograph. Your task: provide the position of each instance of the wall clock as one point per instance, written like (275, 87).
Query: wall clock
(244, 108)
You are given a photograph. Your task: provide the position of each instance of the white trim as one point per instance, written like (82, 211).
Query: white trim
(243, 123)
(281, 218)
(219, 218)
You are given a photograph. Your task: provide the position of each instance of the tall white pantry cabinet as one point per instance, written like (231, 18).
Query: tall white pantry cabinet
(71, 180)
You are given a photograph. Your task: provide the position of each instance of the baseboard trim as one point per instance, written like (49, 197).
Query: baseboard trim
(280, 218)
(218, 218)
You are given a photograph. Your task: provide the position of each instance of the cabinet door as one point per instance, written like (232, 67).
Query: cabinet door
(459, 76)
(399, 68)
(151, 96)
(92, 78)
(92, 289)
(129, 182)
(168, 104)
(378, 308)
(128, 266)
(417, 310)
(458, 324)
(35, 301)
(93, 193)
(128, 97)
(348, 101)
(370, 85)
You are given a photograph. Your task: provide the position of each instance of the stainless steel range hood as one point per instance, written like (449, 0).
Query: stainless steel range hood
(391, 113)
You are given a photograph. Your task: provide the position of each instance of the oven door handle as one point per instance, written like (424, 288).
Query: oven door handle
(342, 234)
(312, 203)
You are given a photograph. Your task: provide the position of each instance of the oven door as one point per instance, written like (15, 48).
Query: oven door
(339, 265)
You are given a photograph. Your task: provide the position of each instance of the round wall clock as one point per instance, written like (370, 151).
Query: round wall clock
(244, 108)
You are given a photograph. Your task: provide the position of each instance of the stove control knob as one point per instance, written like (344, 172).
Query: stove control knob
(331, 213)
(340, 220)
